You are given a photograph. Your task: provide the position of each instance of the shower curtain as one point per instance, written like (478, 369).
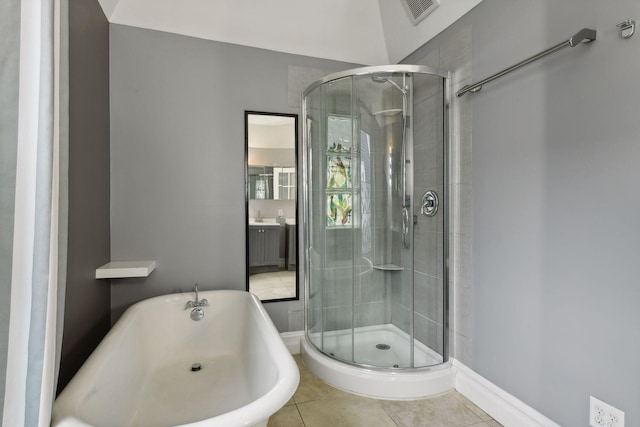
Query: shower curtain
(33, 205)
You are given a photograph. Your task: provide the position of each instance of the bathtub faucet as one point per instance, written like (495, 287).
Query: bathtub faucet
(197, 303)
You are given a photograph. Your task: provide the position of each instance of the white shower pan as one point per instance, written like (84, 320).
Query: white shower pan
(387, 382)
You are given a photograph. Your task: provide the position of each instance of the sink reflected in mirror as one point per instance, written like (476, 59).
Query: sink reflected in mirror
(271, 205)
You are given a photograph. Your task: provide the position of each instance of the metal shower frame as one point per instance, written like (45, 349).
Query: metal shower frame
(304, 238)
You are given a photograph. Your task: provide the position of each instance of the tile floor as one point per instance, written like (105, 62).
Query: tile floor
(316, 404)
(276, 285)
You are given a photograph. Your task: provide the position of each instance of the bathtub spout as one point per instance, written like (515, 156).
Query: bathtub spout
(197, 303)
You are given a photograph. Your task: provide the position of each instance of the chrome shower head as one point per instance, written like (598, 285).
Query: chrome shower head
(379, 79)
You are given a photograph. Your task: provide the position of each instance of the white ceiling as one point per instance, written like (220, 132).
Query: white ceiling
(360, 31)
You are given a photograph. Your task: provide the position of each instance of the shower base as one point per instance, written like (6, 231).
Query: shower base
(388, 380)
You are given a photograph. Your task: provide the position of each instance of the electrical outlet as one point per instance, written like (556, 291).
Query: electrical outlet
(604, 415)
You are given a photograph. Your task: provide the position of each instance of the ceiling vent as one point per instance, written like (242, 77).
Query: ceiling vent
(419, 9)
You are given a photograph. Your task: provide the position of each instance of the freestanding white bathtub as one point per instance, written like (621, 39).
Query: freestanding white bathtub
(141, 373)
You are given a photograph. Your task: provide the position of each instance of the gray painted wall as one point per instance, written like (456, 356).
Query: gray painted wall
(9, 105)
(88, 301)
(555, 206)
(177, 157)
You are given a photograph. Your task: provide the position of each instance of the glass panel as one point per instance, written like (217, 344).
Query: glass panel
(383, 312)
(315, 131)
(335, 153)
(429, 239)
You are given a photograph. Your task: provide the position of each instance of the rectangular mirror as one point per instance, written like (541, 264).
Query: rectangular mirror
(271, 205)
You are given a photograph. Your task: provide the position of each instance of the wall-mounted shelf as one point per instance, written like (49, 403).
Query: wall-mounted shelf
(388, 267)
(388, 113)
(123, 269)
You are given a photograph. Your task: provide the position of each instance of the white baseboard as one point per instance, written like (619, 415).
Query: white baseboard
(502, 406)
(292, 340)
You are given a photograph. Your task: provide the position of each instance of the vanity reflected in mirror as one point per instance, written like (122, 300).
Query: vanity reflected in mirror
(271, 205)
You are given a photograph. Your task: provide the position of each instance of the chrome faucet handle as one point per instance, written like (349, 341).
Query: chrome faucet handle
(198, 302)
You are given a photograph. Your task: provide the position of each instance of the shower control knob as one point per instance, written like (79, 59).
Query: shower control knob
(429, 203)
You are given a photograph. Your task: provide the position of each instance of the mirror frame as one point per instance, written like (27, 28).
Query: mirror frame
(247, 113)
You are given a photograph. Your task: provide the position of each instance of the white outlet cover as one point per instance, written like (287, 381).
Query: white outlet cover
(603, 414)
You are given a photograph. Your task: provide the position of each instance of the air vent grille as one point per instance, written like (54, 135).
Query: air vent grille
(419, 9)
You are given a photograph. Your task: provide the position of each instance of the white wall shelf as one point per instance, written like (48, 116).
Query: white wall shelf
(124, 269)
(388, 267)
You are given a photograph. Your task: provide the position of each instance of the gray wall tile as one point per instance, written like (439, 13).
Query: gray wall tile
(429, 333)
(429, 294)
(454, 54)
(400, 316)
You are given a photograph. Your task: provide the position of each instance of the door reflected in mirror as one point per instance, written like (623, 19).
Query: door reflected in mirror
(271, 205)
(272, 183)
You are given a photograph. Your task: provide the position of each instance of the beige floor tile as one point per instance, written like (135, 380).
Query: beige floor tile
(288, 416)
(274, 293)
(321, 405)
(442, 411)
(276, 285)
(313, 388)
(352, 411)
(287, 274)
(473, 407)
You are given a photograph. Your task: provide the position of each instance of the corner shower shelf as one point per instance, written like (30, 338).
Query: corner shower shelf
(388, 267)
(124, 269)
(388, 113)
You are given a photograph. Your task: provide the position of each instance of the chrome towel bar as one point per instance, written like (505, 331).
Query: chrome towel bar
(585, 35)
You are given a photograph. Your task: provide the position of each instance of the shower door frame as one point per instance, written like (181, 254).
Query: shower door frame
(446, 204)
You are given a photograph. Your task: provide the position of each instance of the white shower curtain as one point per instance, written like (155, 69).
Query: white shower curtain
(33, 205)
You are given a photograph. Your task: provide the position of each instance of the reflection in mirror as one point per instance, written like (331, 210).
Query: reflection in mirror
(277, 183)
(271, 140)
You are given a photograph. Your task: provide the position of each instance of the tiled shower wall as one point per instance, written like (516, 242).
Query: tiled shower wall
(428, 170)
(454, 54)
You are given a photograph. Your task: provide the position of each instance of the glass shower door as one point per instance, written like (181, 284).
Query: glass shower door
(381, 104)
(431, 232)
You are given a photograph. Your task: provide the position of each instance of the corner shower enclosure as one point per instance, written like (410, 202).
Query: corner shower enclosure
(375, 224)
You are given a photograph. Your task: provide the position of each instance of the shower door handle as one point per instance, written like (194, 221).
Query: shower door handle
(405, 227)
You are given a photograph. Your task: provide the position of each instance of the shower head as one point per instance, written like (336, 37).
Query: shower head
(379, 79)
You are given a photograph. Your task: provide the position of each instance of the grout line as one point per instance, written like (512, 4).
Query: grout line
(389, 415)
(300, 414)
